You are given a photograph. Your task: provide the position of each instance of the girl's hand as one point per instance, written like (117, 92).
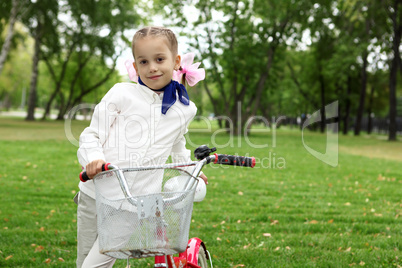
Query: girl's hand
(204, 178)
(94, 168)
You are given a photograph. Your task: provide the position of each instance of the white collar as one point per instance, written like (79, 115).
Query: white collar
(149, 95)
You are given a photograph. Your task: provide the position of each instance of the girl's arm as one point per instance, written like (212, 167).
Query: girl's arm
(94, 137)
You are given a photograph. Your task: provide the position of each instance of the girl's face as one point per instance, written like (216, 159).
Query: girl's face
(154, 62)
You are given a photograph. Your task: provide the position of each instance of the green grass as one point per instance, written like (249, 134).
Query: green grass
(296, 212)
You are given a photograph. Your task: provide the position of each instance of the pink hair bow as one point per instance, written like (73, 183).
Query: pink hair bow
(132, 74)
(193, 74)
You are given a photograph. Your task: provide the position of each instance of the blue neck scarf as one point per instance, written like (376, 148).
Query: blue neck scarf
(169, 95)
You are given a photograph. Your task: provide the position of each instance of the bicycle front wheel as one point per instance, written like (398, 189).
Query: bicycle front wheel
(203, 261)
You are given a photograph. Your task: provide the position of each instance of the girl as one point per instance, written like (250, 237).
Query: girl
(134, 125)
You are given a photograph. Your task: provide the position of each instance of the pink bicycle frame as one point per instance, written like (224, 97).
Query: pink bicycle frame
(187, 259)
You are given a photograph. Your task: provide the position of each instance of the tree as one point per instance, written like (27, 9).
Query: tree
(7, 42)
(238, 41)
(363, 14)
(394, 11)
(41, 21)
(91, 32)
(15, 69)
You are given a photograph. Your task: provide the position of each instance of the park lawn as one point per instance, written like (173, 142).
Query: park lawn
(291, 210)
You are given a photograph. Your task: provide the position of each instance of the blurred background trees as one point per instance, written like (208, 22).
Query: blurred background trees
(263, 58)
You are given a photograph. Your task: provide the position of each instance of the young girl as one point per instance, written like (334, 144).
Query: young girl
(134, 125)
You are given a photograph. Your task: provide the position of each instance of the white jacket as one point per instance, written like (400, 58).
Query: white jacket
(128, 130)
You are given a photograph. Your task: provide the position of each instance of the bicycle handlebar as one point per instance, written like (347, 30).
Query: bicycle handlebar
(223, 159)
(84, 177)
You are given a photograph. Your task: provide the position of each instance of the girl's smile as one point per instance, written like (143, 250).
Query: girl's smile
(155, 77)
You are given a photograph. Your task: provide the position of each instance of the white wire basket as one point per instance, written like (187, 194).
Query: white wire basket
(156, 221)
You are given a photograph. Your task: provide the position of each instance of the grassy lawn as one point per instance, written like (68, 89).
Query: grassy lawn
(291, 210)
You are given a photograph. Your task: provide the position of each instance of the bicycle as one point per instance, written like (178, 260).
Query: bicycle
(153, 219)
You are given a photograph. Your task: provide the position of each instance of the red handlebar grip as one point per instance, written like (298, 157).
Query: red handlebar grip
(105, 167)
(234, 160)
(83, 176)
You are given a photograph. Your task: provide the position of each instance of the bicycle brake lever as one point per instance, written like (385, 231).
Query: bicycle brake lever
(203, 151)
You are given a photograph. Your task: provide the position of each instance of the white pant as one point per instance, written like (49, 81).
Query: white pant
(88, 255)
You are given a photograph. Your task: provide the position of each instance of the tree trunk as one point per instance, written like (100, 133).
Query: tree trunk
(59, 80)
(7, 42)
(322, 110)
(397, 26)
(363, 87)
(34, 76)
(214, 103)
(54, 93)
(347, 107)
(263, 79)
(360, 110)
(265, 73)
(369, 111)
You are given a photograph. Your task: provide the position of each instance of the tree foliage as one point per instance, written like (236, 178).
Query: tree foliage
(262, 58)
(290, 57)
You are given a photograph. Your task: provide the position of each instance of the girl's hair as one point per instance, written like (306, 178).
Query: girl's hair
(156, 31)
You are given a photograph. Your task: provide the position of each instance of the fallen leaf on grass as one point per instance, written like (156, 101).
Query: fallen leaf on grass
(218, 239)
(287, 247)
(274, 222)
(39, 248)
(239, 265)
(47, 260)
(240, 193)
(60, 259)
(266, 234)
(246, 246)
(331, 221)
(362, 263)
(8, 257)
(313, 222)
(348, 249)
(348, 204)
(277, 248)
